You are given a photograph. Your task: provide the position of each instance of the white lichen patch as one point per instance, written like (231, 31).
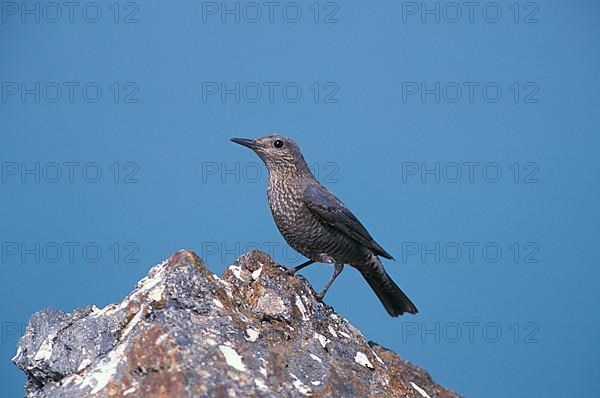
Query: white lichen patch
(300, 386)
(419, 390)
(134, 321)
(260, 384)
(236, 270)
(377, 357)
(108, 310)
(153, 278)
(322, 339)
(263, 369)
(332, 331)
(45, 351)
(156, 292)
(301, 307)
(99, 377)
(252, 334)
(232, 358)
(362, 359)
(218, 303)
(270, 303)
(152, 285)
(84, 364)
(256, 274)
(316, 358)
(352, 328)
(17, 354)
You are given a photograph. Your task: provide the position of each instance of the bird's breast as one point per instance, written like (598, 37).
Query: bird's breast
(302, 229)
(285, 202)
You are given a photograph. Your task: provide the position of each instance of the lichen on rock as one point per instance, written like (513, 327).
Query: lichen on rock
(185, 332)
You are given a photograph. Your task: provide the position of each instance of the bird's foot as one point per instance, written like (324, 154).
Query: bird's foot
(321, 295)
(338, 269)
(291, 271)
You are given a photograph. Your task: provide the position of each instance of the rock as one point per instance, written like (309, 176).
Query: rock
(184, 332)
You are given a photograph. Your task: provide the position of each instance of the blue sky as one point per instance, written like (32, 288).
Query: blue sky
(466, 140)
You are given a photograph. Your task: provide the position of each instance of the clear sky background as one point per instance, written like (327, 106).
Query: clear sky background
(409, 120)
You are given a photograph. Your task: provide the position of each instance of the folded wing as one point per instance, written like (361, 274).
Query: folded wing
(333, 212)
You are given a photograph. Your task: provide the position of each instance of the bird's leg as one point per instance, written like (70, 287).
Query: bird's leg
(297, 268)
(336, 272)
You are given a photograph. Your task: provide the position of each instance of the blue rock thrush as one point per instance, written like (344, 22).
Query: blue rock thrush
(318, 225)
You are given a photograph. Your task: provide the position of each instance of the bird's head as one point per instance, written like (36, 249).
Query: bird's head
(280, 154)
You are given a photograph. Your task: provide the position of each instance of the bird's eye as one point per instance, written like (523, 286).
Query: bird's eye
(278, 144)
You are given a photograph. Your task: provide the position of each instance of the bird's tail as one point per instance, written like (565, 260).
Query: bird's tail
(393, 299)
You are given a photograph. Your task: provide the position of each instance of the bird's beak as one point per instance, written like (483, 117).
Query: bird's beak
(245, 142)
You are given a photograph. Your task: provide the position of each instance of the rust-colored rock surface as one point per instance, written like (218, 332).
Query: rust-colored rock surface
(184, 332)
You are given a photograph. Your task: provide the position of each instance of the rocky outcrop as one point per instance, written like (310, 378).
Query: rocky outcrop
(184, 332)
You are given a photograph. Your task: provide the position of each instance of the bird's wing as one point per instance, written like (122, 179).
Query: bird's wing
(332, 211)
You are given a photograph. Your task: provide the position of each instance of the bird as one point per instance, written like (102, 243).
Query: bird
(315, 223)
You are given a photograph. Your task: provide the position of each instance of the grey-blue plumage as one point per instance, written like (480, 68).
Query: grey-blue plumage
(318, 225)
